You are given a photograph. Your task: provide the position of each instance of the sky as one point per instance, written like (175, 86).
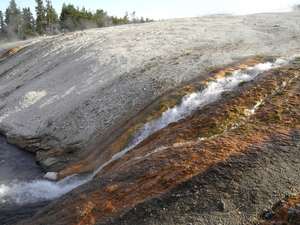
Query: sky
(167, 9)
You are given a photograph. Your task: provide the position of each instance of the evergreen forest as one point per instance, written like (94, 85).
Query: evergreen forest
(16, 23)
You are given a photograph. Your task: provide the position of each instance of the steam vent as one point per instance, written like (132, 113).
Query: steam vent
(155, 145)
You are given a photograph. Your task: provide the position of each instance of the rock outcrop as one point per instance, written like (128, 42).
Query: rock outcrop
(76, 99)
(63, 95)
(220, 162)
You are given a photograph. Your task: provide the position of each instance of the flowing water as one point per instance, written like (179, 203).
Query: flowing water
(23, 188)
(16, 167)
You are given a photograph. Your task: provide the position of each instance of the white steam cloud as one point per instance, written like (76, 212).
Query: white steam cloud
(259, 6)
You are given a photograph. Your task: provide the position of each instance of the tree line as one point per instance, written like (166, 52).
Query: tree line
(21, 24)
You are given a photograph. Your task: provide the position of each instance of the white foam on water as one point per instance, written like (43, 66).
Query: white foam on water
(22, 192)
(197, 100)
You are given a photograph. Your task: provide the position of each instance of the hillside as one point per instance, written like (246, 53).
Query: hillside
(79, 101)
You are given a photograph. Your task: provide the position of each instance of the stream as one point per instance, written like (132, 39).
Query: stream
(23, 188)
(16, 166)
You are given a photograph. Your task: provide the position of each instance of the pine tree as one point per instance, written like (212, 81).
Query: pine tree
(12, 19)
(2, 26)
(100, 18)
(28, 20)
(28, 23)
(51, 15)
(126, 18)
(133, 16)
(72, 18)
(68, 17)
(40, 17)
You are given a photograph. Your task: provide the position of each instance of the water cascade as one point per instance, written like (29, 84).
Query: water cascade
(20, 192)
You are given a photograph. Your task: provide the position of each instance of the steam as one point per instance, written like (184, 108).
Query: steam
(256, 6)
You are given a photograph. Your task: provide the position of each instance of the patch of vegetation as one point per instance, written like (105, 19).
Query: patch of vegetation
(20, 24)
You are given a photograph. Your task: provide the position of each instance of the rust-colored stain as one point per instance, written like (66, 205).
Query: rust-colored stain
(98, 157)
(189, 147)
(288, 213)
(10, 52)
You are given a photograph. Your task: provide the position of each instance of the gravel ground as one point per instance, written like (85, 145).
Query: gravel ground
(59, 93)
